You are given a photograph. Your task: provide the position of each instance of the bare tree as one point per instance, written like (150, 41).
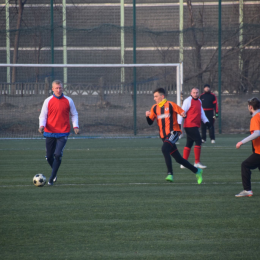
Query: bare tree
(16, 41)
(202, 62)
(233, 79)
(198, 40)
(38, 44)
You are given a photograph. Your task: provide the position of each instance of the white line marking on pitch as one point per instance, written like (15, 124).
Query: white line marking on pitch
(117, 149)
(133, 183)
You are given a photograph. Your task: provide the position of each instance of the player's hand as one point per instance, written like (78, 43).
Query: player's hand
(208, 124)
(183, 114)
(76, 130)
(216, 115)
(238, 145)
(41, 130)
(147, 113)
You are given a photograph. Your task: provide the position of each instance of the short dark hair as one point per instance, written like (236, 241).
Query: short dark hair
(58, 82)
(254, 102)
(206, 85)
(160, 90)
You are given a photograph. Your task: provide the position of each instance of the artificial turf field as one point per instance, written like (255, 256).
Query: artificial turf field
(111, 202)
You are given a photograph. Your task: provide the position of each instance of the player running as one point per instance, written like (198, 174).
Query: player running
(55, 126)
(165, 112)
(195, 114)
(253, 161)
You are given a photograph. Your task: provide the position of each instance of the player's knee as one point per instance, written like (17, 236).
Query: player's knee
(189, 144)
(198, 142)
(49, 158)
(243, 164)
(58, 157)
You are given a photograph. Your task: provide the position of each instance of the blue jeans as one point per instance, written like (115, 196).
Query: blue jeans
(54, 152)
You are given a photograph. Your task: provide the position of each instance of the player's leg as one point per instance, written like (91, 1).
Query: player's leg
(212, 132)
(189, 143)
(212, 129)
(252, 162)
(187, 148)
(179, 159)
(50, 148)
(195, 135)
(166, 149)
(203, 132)
(169, 148)
(61, 142)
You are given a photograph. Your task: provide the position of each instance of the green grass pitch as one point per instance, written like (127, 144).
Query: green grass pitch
(111, 201)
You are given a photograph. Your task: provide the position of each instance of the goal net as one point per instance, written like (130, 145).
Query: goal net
(111, 99)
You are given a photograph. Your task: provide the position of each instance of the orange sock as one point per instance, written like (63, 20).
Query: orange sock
(197, 150)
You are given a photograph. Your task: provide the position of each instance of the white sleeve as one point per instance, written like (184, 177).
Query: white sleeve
(74, 114)
(251, 137)
(44, 112)
(186, 106)
(204, 119)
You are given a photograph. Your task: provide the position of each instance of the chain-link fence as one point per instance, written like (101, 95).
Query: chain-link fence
(101, 32)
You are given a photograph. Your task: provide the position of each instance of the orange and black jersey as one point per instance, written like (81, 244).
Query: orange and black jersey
(166, 117)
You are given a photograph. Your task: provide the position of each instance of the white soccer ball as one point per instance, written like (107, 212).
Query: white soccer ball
(39, 180)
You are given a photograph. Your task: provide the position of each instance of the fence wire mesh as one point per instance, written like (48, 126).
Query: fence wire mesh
(92, 32)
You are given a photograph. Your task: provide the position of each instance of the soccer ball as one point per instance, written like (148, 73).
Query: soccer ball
(39, 180)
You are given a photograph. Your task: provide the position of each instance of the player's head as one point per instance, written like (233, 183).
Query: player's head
(195, 93)
(206, 88)
(158, 95)
(253, 104)
(57, 88)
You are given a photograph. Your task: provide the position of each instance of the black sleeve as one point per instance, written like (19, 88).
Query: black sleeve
(214, 105)
(149, 120)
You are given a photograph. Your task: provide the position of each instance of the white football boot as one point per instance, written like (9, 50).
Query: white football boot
(200, 165)
(245, 193)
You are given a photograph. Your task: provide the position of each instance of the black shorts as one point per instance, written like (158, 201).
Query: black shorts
(193, 135)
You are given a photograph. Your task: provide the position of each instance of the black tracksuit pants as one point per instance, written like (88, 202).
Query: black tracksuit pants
(252, 162)
(169, 149)
(209, 114)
